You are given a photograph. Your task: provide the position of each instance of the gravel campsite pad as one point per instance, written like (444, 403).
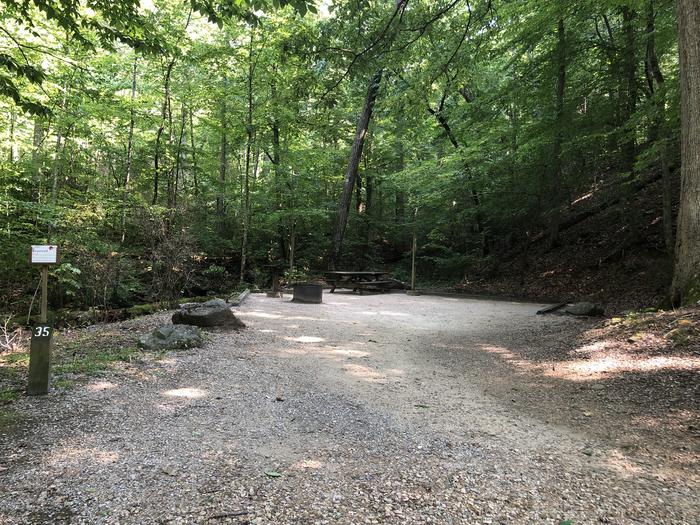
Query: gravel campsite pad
(365, 409)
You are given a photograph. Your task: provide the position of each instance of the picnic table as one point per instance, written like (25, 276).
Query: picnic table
(359, 281)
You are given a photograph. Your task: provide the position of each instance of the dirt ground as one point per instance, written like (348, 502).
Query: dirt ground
(367, 409)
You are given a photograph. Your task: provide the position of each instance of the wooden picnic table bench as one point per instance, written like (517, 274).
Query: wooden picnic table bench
(359, 281)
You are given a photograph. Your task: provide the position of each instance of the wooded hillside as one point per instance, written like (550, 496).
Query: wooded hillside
(174, 148)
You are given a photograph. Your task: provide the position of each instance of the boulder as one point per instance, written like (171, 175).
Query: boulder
(215, 312)
(584, 308)
(171, 337)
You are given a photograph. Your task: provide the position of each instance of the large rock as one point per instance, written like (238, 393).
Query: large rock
(584, 308)
(216, 312)
(171, 337)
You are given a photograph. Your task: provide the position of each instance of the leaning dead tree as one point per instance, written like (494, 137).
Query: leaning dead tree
(353, 165)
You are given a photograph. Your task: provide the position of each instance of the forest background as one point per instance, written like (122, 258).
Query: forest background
(178, 148)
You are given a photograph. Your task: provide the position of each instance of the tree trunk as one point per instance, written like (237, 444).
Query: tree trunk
(171, 168)
(163, 117)
(358, 193)
(56, 168)
(629, 66)
(399, 196)
(276, 165)
(248, 148)
(223, 166)
(658, 132)
(129, 149)
(685, 289)
(179, 172)
(292, 244)
(193, 153)
(59, 152)
(631, 217)
(12, 153)
(557, 182)
(37, 141)
(353, 165)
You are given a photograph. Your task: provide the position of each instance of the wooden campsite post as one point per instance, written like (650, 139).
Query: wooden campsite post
(40, 346)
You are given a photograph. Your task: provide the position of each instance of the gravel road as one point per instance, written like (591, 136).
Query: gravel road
(364, 409)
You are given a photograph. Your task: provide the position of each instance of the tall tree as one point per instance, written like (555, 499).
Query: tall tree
(686, 276)
(658, 132)
(129, 147)
(250, 135)
(157, 156)
(353, 165)
(223, 158)
(557, 176)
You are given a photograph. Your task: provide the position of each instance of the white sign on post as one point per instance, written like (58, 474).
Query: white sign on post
(44, 254)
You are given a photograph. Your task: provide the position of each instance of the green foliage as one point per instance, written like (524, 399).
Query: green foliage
(460, 148)
(215, 278)
(295, 276)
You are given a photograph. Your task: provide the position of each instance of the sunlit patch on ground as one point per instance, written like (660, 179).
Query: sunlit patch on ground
(618, 462)
(260, 315)
(310, 464)
(192, 393)
(583, 370)
(102, 457)
(346, 352)
(366, 373)
(101, 385)
(509, 356)
(305, 339)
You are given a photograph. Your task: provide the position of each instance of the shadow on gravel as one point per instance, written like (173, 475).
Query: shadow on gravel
(640, 405)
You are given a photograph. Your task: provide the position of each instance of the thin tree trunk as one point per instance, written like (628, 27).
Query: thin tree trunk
(258, 167)
(193, 153)
(629, 65)
(223, 164)
(171, 168)
(686, 276)
(164, 115)
(659, 132)
(248, 150)
(358, 192)
(12, 150)
(129, 148)
(631, 216)
(353, 165)
(399, 196)
(557, 182)
(37, 141)
(179, 173)
(276, 163)
(369, 193)
(292, 244)
(56, 168)
(368, 217)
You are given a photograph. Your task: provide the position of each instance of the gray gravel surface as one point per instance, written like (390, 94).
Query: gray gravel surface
(371, 409)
